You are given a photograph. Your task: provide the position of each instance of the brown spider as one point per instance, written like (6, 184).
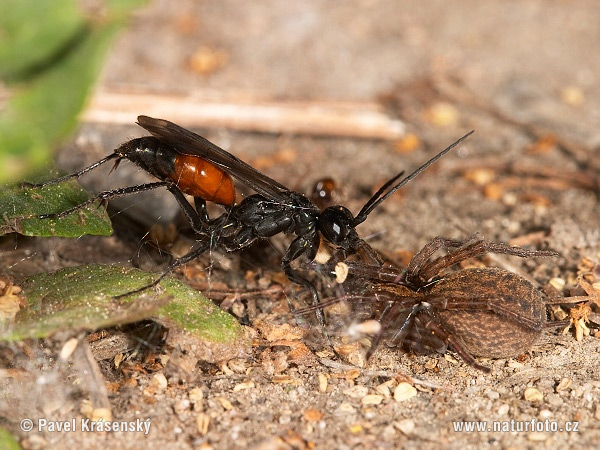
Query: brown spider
(487, 312)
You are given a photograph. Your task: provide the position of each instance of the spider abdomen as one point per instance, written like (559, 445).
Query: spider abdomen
(502, 313)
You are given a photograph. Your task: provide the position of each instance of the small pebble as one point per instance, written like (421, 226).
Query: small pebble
(442, 114)
(510, 199)
(119, 357)
(572, 95)
(389, 433)
(159, 381)
(280, 361)
(206, 60)
(558, 283)
(384, 388)
(104, 414)
(356, 428)
(431, 364)
(237, 365)
(322, 382)
(406, 426)
(182, 406)
(226, 404)
(493, 191)
(450, 359)
(515, 364)
(554, 400)
(33, 442)
(372, 399)
(404, 391)
(86, 408)
(533, 395)
(493, 395)
(243, 386)
(346, 408)
(312, 415)
(356, 391)
(537, 436)
(68, 349)
(408, 143)
(341, 272)
(196, 395)
(225, 369)
(202, 423)
(564, 384)
(481, 176)
(357, 358)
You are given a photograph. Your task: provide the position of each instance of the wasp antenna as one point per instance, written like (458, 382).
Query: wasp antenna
(378, 198)
(379, 193)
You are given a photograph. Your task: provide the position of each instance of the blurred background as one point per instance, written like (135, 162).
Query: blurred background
(308, 67)
(356, 90)
(388, 79)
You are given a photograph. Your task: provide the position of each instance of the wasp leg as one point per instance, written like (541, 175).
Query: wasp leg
(174, 265)
(104, 196)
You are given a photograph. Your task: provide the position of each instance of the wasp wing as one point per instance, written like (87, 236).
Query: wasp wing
(189, 143)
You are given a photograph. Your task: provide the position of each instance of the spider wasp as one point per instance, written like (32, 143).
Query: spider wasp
(186, 163)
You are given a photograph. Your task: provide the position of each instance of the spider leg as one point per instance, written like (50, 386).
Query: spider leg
(421, 259)
(420, 269)
(379, 272)
(453, 343)
(403, 329)
(376, 340)
(393, 303)
(367, 252)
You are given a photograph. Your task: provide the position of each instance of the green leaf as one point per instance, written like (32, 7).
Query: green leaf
(44, 111)
(34, 32)
(19, 208)
(8, 441)
(82, 298)
(38, 118)
(193, 313)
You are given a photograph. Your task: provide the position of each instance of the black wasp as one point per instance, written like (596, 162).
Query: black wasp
(274, 209)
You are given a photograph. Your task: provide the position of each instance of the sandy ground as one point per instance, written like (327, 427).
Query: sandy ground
(523, 74)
